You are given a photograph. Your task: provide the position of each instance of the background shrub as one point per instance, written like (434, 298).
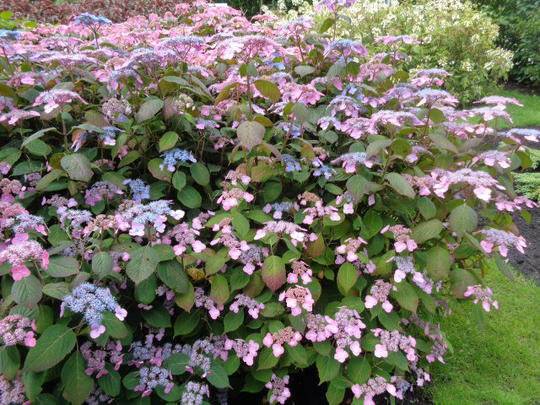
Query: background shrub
(455, 36)
(520, 32)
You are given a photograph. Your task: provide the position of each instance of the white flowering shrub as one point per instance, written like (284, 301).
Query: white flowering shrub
(195, 202)
(455, 36)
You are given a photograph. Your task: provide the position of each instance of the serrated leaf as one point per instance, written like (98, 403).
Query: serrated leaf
(142, 264)
(427, 230)
(328, 368)
(27, 292)
(406, 296)
(376, 146)
(176, 363)
(250, 134)
(52, 347)
(219, 290)
(273, 272)
(232, 321)
(268, 89)
(102, 264)
(77, 166)
(266, 359)
(46, 180)
(346, 278)
(77, 385)
(463, 219)
(148, 110)
(438, 262)
(63, 266)
(218, 376)
(400, 184)
(359, 370)
(186, 322)
(174, 277)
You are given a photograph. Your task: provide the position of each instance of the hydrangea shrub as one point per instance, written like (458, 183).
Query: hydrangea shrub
(197, 201)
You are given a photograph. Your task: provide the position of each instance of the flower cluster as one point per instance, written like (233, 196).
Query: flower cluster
(92, 302)
(16, 329)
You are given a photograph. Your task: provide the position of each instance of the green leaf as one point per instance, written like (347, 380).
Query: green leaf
(142, 264)
(174, 277)
(115, 327)
(218, 376)
(38, 148)
(328, 368)
(186, 323)
(304, 70)
(427, 208)
(335, 393)
(148, 110)
(33, 383)
(400, 184)
(233, 321)
(438, 262)
(190, 197)
(176, 363)
(268, 89)
(406, 296)
(56, 290)
(359, 370)
(179, 180)
(326, 25)
(200, 174)
(45, 399)
(219, 292)
(250, 134)
(240, 223)
(378, 145)
(442, 142)
(346, 278)
(273, 272)
(111, 383)
(77, 166)
(27, 292)
(298, 355)
(157, 317)
(463, 219)
(52, 347)
(46, 180)
(63, 266)
(168, 141)
(10, 360)
(154, 167)
(37, 135)
(427, 230)
(267, 360)
(102, 264)
(77, 385)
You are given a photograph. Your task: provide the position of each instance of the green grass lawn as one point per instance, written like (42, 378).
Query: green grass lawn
(526, 116)
(497, 363)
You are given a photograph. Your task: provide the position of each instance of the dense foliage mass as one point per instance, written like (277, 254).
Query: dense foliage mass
(455, 36)
(520, 32)
(196, 201)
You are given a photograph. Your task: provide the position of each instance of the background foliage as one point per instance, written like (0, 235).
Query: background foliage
(455, 36)
(520, 32)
